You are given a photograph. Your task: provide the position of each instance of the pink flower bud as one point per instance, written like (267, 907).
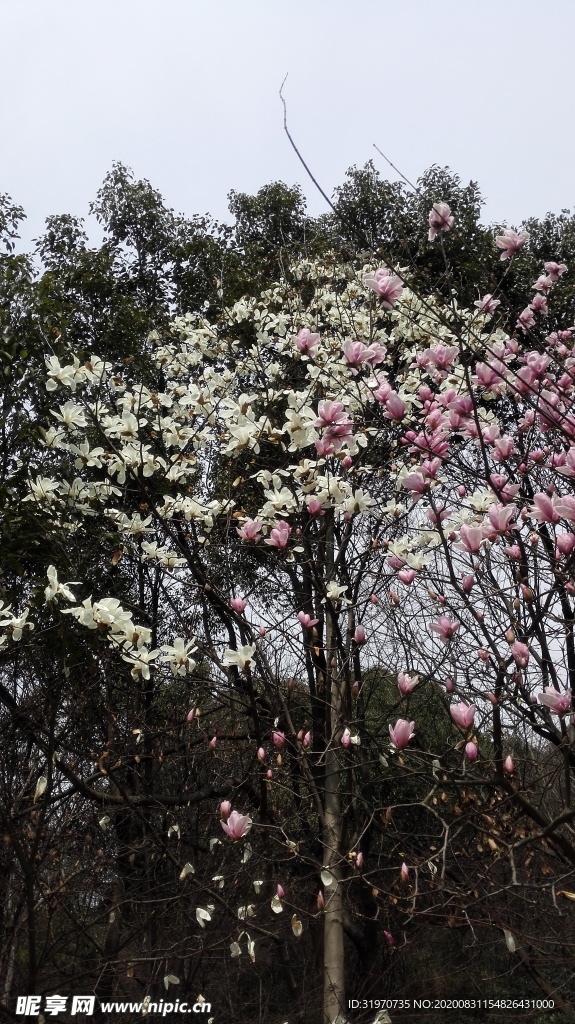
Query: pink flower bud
(359, 635)
(510, 636)
(462, 491)
(406, 576)
(263, 630)
(269, 774)
(278, 739)
(261, 754)
(508, 766)
(191, 715)
(394, 597)
(483, 653)
(320, 901)
(449, 685)
(347, 461)
(491, 696)
(359, 861)
(213, 742)
(389, 938)
(468, 582)
(355, 690)
(280, 892)
(346, 739)
(471, 751)
(307, 740)
(238, 604)
(373, 598)
(404, 873)
(225, 808)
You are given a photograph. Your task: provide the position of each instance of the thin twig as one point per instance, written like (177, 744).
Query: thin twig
(396, 169)
(298, 154)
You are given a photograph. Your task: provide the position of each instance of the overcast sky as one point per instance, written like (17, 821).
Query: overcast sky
(186, 93)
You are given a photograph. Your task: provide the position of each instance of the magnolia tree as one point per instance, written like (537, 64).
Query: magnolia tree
(348, 514)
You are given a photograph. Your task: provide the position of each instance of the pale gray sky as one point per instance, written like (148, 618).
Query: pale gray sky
(186, 93)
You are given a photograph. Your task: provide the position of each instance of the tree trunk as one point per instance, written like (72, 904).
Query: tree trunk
(333, 938)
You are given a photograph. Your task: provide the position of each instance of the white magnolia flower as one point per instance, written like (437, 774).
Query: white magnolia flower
(243, 657)
(54, 587)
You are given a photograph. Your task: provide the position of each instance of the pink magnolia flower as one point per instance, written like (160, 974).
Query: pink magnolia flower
(405, 683)
(463, 714)
(449, 685)
(520, 654)
(237, 825)
(359, 861)
(192, 713)
(525, 320)
(565, 542)
(543, 284)
(314, 507)
(306, 740)
(385, 284)
(306, 620)
(278, 739)
(355, 352)
(544, 508)
(445, 628)
(487, 304)
(471, 751)
(440, 219)
(346, 739)
(307, 342)
(508, 766)
(500, 516)
(404, 873)
(225, 808)
(468, 582)
(558, 703)
(555, 270)
(359, 635)
(401, 733)
(406, 576)
(330, 412)
(250, 530)
(278, 537)
(472, 537)
(280, 891)
(238, 604)
(511, 242)
(394, 406)
(539, 304)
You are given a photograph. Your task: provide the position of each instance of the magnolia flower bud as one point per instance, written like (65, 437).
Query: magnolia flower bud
(213, 742)
(471, 750)
(280, 891)
(510, 636)
(320, 901)
(225, 808)
(261, 754)
(404, 873)
(508, 766)
(355, 690)
(269, 774)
